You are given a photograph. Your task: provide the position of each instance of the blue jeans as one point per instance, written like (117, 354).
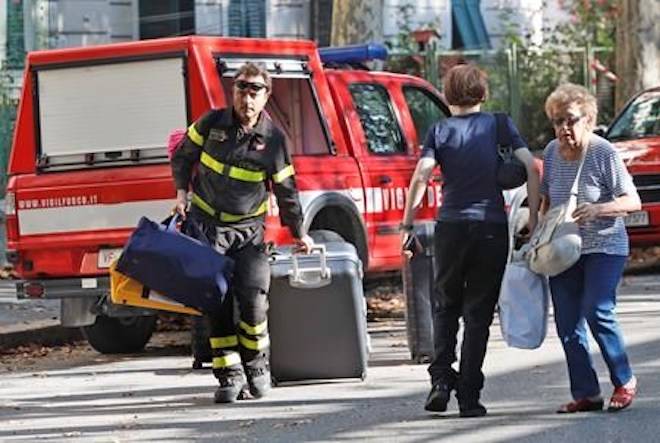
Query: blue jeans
(586, 293)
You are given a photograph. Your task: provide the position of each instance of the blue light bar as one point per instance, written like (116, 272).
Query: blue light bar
(353, 53)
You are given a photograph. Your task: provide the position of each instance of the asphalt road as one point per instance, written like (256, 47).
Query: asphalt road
(157, 397)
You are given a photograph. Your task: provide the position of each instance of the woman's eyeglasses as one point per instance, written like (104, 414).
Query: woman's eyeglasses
(569, 120)
(253, 87)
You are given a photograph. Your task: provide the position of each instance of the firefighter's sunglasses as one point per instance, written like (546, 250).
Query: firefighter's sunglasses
(256, 88)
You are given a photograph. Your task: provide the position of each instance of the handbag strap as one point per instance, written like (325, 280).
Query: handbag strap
(574, 188)
(502, 129)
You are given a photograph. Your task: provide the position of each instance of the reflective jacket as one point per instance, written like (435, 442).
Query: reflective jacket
(237, 169)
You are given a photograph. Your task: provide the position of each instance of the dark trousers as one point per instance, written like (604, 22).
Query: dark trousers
(240, 338)
(470, 261)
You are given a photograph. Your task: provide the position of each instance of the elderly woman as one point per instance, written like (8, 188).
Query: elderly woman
(586, 292)
(471, 235)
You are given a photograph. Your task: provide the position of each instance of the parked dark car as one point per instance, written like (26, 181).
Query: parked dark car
(635, 131)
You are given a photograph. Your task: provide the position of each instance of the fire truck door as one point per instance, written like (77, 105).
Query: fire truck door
(387, 166)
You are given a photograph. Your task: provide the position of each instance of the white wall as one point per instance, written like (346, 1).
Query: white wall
(87, 22)
(531, 16)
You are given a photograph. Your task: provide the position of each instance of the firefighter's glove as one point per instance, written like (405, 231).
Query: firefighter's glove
(304, 244)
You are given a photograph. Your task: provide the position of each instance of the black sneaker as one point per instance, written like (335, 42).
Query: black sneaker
(231, 387)
(438, 398)
(258, 378)
(472, 409)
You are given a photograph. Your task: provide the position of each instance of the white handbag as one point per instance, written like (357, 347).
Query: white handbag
(523, 306)
(556, 244)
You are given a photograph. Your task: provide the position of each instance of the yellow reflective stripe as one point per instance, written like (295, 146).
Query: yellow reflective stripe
(255, 345)
(201, 204)
(253, 330)
(195, 136)
(235, 172)
(211, 163)
(223, 342)
(283, 174)
(228, 360)
(246, 175)
(227, 217)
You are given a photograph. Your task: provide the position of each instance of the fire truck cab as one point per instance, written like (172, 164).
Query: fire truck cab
(89, 158)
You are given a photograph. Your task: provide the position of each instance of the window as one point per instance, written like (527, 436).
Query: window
(166, 18)
(294, 110)
(379, 123)
(425, 110)
(247, 18)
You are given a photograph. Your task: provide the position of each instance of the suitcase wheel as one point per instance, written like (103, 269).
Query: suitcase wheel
(363, 376)
(274, 381)
(197, 364)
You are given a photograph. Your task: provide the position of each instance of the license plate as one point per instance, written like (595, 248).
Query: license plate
(107, 256)
(639, 218)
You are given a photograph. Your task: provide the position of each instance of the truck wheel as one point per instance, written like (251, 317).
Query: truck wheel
(120, 335)
(325, 236)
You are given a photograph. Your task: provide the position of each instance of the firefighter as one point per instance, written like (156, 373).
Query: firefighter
(241, 155)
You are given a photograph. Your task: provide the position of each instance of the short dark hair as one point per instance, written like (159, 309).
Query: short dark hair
(465, 85)
(252, 69)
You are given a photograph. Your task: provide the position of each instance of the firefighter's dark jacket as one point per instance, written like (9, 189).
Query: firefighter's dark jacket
(237, 169)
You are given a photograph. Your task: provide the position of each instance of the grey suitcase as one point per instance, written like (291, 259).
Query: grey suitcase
(418, 283)
(317, 317)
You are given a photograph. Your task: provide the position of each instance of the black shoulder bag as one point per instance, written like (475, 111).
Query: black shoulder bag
(511, 172)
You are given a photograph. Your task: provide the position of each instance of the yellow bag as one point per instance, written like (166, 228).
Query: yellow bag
(126, 291)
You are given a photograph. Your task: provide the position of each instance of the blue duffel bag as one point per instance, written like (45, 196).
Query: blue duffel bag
(181, 267)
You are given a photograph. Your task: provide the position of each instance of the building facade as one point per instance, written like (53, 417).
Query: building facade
(66, 23)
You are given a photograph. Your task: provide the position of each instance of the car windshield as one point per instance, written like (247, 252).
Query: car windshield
(639, 120)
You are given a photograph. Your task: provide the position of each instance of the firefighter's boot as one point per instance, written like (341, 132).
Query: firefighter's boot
(232, 383)
(258, 376)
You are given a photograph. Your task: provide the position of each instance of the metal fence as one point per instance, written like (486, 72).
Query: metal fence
(520, 79)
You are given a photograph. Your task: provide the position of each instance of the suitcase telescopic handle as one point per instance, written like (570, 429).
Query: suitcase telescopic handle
(313, 276)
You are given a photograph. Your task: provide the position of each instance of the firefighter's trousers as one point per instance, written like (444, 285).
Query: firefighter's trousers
(241, 338)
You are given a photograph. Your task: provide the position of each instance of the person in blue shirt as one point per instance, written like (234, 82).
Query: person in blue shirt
(471, 235)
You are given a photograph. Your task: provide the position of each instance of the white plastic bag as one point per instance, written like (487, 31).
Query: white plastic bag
(523, 306)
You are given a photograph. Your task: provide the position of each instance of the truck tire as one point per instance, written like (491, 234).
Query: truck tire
(325, 235)
(120, 335)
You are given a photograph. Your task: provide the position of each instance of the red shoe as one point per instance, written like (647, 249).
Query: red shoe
(581, 405)
(622, 397)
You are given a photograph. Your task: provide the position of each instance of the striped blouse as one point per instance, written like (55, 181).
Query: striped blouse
(603, 178)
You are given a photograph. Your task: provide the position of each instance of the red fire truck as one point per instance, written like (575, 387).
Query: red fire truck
(89, 157)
